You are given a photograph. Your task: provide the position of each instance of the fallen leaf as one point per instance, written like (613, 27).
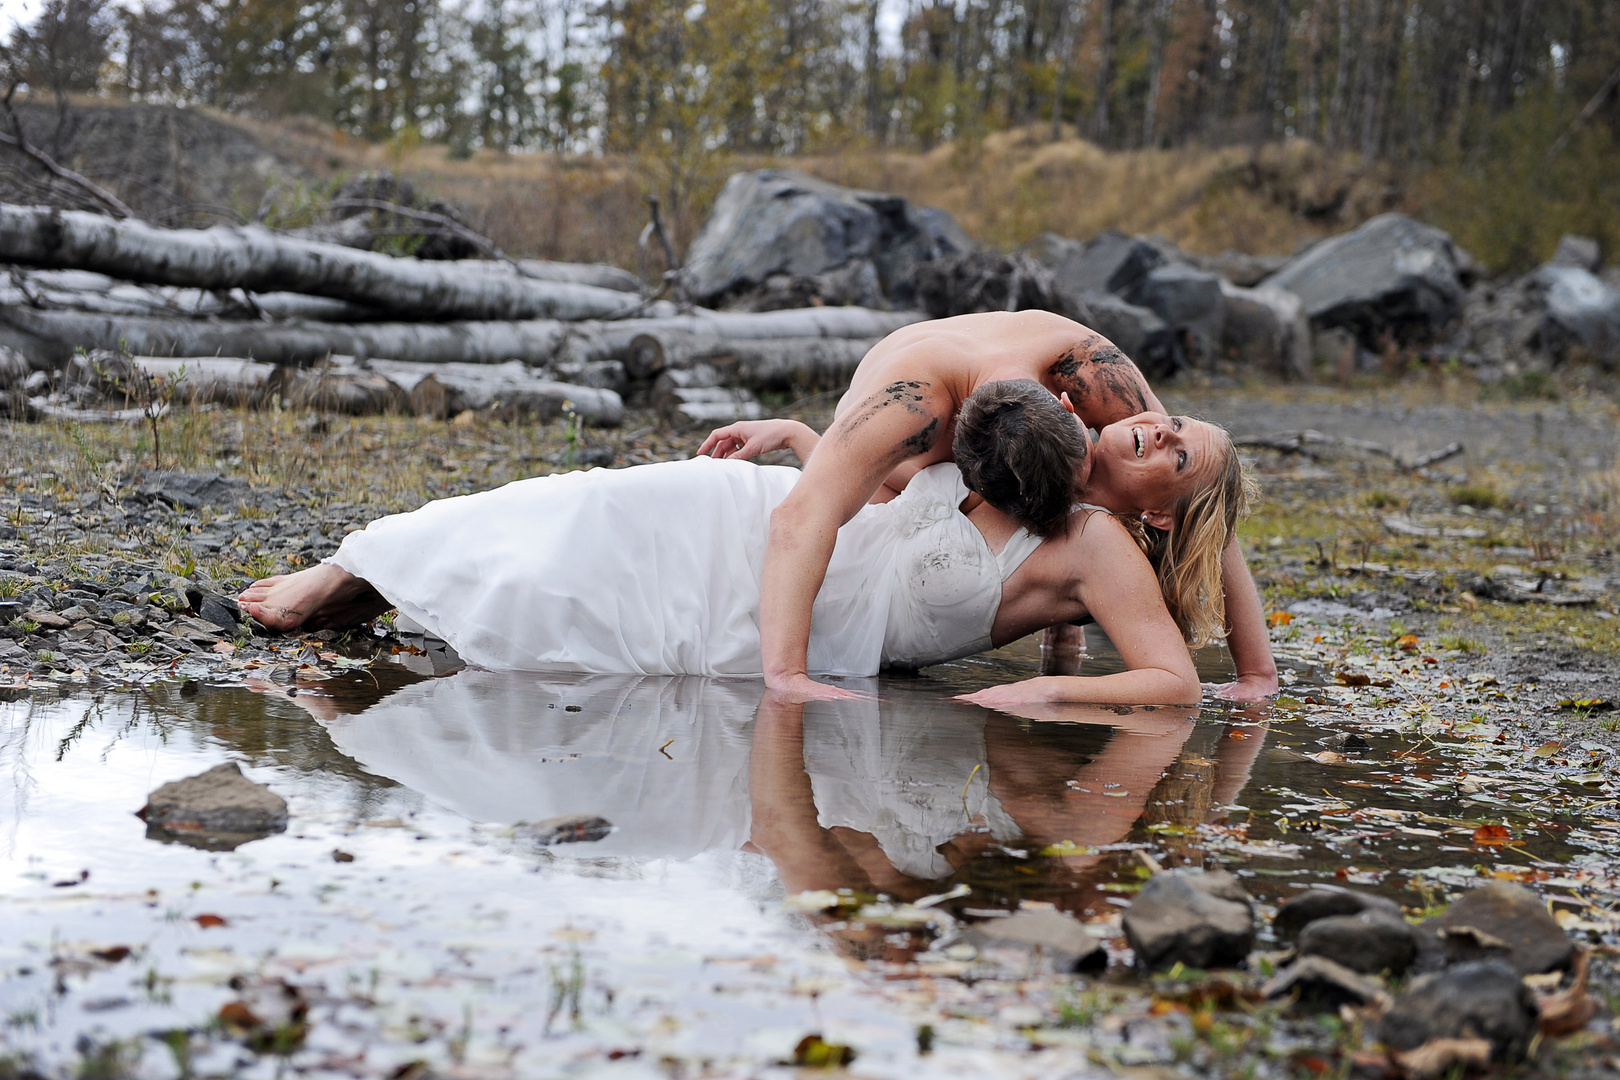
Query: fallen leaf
(1589, 704)
(816, 1053)
(1407, 643)
(1492, 835)
(1279, 618)
(1328, 757)
(1352, 678)
(224, 648)
(1546, 749)
(206, 921)
(111, 955)
(1567, 1011)
(1439, 1055)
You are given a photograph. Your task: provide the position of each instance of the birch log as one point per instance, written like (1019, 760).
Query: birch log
(761, 364)
(251, 257)
(443, 390)
(57, 334)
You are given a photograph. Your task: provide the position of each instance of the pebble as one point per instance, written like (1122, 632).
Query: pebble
(1200, 920)
(218, 810)
(1482, 1000)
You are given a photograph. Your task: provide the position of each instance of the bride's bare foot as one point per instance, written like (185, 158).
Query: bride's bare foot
(313, 599)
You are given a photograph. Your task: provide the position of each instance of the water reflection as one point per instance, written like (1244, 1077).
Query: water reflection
(905, 794)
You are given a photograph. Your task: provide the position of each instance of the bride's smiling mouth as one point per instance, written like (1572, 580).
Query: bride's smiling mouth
(1136, 437)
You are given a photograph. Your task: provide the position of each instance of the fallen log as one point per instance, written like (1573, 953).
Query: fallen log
(512, 389)
(701, 406)
(762, 364)
(56, 334)
(252, 257)
(344, 388)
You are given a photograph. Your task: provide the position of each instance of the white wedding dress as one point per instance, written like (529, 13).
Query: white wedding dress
(655, 570)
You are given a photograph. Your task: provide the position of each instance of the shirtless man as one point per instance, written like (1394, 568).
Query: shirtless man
(900, 411)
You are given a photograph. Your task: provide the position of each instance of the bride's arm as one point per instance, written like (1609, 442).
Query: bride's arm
(751, 438)
(1123, 595)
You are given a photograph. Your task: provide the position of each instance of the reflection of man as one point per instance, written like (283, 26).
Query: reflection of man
(844, 797)
(901, 409)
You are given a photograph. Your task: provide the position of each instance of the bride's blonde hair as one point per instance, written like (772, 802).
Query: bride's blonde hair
(1186, 557)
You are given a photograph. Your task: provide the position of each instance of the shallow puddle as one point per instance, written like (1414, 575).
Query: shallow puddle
(734, 908)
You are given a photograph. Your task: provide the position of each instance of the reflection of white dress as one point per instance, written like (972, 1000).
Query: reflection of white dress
(655, 569)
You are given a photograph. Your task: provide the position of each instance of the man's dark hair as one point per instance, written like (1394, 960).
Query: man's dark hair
(1019, 448)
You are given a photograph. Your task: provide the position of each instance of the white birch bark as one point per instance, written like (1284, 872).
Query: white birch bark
(253, 258)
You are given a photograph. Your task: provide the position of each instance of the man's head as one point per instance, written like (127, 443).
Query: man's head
(1024, 451)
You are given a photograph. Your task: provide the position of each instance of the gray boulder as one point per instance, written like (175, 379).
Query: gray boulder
(1266, 330)
(1191, 303)
(191, 491)
(1485, 1000)
(1322, 985)
(1200, 920)
(1581, 310)
(1245, 271)
(1110, 262)
(1581, 251)
(986, 281)
(775, 222)
(14, 368)
(1137, 331)
(1393, 276)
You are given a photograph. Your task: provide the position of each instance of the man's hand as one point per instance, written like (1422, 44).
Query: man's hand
(1245, 688)
(798, 689)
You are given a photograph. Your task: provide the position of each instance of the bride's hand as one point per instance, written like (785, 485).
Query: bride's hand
(748, 439)
(1036, 691)
(801, 688)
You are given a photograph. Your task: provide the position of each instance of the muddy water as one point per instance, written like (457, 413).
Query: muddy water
(416, 923)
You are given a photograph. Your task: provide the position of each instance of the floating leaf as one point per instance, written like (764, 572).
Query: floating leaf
(1493, 835)
(206, 921)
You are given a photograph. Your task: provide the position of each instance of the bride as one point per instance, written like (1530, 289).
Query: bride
(655, 569)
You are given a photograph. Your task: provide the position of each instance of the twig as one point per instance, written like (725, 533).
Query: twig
(17, 139)
(444, 221)
(1295, 442)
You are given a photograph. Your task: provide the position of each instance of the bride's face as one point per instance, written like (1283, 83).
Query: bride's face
(1153, 460)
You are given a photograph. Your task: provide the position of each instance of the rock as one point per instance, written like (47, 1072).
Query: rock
(1190, 302)
(219, 611)
(1057, 938)
(190, 491)
(982, 281)
(1200, 920)
(1339, 352)
(1580, 310)
(1266, 329)
(1110, 262)
(1368, 942)
(217, 810)
(1138, 332)
(570, 829)
(47, 620)
(780, 222)
(1391, 277)
(1326, 901)
(1322, 984)
(1484, 1000)
(1579, 251)
(1241, 270)
(1505, 920)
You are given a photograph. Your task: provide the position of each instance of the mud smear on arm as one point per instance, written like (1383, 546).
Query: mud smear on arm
(1098, 376)
(908, 395)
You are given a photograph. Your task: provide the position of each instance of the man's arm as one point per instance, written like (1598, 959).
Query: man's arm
(905, 419)
(1246, 631)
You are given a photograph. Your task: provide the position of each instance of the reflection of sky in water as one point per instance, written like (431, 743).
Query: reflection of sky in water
(720, 805)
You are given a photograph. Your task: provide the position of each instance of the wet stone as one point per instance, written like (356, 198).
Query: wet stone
(1501, 919)
(1200, 920)
(218, 810)
(1322, 985)
(1369, 942)
(1057, 939)
(218, 611)
(1482, 1000)
(569, 829)
(1325, 901)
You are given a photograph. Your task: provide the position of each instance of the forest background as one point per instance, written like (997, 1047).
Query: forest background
(1249, 124)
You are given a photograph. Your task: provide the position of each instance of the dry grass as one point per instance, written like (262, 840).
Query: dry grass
(1005, 189)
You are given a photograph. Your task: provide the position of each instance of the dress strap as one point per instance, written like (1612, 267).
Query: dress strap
(1089, 506)
(1019, 547)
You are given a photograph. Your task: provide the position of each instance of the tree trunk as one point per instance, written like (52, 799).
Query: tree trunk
(250, 257)
(443, 390)
(1105, 72)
